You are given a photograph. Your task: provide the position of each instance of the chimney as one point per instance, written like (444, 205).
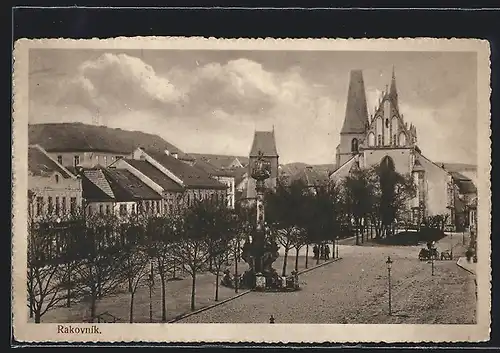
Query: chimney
(167, 152)
(175, 155)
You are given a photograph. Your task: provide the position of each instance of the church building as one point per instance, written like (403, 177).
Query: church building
(385, 137)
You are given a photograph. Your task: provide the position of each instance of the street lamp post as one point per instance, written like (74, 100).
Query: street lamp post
(451, 251)
(389, 266)
(336, 248)
(151, 284)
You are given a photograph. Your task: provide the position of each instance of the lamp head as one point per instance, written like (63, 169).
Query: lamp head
(389, 262)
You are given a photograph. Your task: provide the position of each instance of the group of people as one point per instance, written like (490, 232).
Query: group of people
(322, 251)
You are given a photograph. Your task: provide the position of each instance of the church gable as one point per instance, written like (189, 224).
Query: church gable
(387, 127)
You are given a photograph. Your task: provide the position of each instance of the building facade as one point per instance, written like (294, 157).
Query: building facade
(54, 191)
(386, 138)
(180, 184)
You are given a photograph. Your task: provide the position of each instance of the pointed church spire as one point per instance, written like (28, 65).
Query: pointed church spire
(356, 114)
(393, 93)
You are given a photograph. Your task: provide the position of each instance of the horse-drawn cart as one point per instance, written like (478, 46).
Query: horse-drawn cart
(428, 254)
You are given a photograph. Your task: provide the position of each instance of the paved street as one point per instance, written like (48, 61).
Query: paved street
(355, 290)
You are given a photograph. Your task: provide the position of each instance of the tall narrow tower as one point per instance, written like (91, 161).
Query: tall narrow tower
(355, 121)
(263, 146)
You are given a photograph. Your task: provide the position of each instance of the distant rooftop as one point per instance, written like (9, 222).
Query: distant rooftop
(40, 164)
(192, 177)
(155, 175)
(79, 137)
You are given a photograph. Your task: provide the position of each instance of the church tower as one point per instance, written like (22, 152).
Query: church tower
(356, 119)
(264, 142)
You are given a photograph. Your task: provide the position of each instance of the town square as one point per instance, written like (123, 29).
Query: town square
(267, 187)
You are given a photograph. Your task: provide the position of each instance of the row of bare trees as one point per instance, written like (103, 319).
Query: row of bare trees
(88, 258)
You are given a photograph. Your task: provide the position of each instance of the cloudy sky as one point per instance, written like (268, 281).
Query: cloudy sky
(212, 101)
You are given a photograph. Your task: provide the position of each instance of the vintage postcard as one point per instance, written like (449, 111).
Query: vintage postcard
(251, 190)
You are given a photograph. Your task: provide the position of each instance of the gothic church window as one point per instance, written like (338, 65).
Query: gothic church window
(371, 139)
(354, 145)
(402, 139)
(379, 140)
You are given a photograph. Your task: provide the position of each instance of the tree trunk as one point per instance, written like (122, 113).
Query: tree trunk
(93, 306)
(163, 297)
(131, 316)
(319, 254)
(356, 231)
(285, 256)
(38, 315)
(297, 258)
(307, 254)
(210, 264)
(68, 302)
(193, 290)
(217, 285)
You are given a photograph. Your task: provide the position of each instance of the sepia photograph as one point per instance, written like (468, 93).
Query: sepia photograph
(167, 185)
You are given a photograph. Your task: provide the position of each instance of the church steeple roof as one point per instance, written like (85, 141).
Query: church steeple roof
(393, 92)
(356, 114)
(265, 142)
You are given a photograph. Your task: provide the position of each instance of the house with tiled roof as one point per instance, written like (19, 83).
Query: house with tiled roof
(179, 183)
(119, 192)
(54, 191)
(88, 146)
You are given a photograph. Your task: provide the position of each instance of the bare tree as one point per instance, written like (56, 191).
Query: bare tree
(100, 269)
(45, 275)
(191, 243)
(283, 213)
(161, 237)
(220, 230)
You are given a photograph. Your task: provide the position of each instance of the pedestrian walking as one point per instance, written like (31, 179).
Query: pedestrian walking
(271, 319)
(315, 252)
(327, 252)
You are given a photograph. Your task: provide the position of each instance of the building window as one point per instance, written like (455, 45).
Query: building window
(101, 209)
(123, 210)
(147, 207)
(90, 210)
(50, 205)
(105, 161)
(57, 205)
(57, 178)
(379, 140)
(394, 139)
(107, 209)
(39, 205)
(371, 139)
(72, 205)
(387, 123)
(77, 160)
(63, 204)
(354, 145)
(59, 159)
